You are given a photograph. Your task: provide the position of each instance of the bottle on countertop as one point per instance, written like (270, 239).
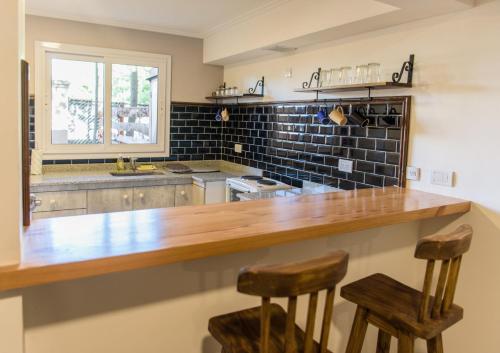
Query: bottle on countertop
(120, 163)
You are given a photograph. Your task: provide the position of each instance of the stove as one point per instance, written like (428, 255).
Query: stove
(251, 183)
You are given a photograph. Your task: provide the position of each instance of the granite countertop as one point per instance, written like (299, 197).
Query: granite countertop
(102, 179)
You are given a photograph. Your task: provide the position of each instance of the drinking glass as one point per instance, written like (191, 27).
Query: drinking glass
(361, 73)
(336, 77)
(373, 72)
(323, 78)
(346, 75)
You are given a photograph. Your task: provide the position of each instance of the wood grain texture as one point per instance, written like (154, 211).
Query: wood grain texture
(293, 279)
(76, 247)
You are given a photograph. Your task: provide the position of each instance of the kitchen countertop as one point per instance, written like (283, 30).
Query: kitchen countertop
(102, 179)
(59, 249)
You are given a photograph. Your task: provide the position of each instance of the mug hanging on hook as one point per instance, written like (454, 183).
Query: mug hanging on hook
(225, 114)
(337, 115)
(358, 117)
(322, 116)
(218, 116)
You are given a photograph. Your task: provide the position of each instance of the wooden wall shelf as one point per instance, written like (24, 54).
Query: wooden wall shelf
(355, 87)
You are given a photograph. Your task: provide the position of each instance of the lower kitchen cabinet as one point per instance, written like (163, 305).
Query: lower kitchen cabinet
(61, 213)
(72, 203)
(110, 200)
(183, 195)
(209, 192)
(154, 197)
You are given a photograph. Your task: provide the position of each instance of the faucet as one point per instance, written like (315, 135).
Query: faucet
(133, 163)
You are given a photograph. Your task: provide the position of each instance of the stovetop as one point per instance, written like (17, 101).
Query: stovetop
(254, 183)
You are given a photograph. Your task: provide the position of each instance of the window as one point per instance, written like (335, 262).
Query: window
(101, 102)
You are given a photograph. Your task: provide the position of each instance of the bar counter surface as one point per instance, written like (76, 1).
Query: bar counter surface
(68, 248)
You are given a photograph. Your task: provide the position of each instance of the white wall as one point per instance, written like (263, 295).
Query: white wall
(11, 42)
(192, 80)
(166, 309)
(455, 126)
(455, 122)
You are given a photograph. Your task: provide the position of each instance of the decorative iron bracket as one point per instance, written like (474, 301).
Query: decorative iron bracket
(407, 66)
(314, 76)
(260, 83)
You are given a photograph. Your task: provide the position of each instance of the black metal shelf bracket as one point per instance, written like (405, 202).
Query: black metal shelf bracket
(314, 76)
(407, 66)
(260, 83)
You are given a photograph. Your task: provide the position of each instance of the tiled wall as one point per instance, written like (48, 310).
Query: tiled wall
(291, 145)
(194, 135)
(288, 142)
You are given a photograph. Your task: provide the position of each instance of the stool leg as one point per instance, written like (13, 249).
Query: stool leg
(435, 345)
(406, 343)
(358, 331)
(383, 342)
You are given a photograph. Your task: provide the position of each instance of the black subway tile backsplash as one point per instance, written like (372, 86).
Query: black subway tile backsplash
(287, 142)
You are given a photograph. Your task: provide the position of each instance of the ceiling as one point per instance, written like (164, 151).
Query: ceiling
(193, 18)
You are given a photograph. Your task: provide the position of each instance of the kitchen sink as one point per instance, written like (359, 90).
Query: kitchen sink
(135, 172)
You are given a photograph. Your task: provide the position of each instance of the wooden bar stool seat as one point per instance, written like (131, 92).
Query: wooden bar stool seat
(241, 330)
(406, 313)
(386, 298)
(269, 328)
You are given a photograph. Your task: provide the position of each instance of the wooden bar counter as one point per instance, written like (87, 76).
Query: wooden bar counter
(68, 248)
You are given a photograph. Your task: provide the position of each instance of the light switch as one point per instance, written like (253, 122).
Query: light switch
(237, 148)
(412, 173)
(345, 165)
(442, 177)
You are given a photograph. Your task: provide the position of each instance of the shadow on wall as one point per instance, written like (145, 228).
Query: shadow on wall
(478, 284)
(190, 293)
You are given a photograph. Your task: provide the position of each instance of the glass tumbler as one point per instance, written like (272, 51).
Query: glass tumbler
(336, 78)
(361, 73)
(346, 75)
(373, 72)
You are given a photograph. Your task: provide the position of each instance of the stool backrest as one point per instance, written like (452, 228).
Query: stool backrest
(447, 248)
(292, 280)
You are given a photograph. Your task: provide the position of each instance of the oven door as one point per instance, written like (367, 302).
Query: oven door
(232, 192)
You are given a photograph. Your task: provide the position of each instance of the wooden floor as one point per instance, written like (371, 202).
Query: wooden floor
(75, 247)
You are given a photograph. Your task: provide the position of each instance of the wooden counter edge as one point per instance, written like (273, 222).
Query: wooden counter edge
(13, 277)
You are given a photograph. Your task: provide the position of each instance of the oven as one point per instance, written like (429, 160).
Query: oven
(232, 191)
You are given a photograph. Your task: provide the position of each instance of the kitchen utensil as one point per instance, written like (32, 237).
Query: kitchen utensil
(218, 115)
(337, 116)
(225, 115)
(322, 117)
(358, 118)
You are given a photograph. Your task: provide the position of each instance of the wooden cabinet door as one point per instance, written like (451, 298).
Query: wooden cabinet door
(110, 200)
(60, 200)
(183, 195)
(154, 197)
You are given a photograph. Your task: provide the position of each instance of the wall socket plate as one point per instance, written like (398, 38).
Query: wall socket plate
(442, 177)
(237, 148)
(412, 173)
(345, 165)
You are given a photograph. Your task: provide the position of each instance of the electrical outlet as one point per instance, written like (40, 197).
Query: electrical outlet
(345, 165)
(441, 177)
(237, 148)
(412, 173)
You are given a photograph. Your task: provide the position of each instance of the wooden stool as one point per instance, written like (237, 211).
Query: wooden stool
(403, 312)
(268, 328)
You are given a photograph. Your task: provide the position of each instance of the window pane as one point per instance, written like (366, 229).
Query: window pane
(77, 102)
(134, 104)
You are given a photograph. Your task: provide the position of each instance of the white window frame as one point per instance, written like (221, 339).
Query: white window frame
(43, 90)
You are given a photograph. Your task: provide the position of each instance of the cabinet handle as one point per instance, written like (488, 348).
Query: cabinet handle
(125, 197)
(183, 193)
(141, 195)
